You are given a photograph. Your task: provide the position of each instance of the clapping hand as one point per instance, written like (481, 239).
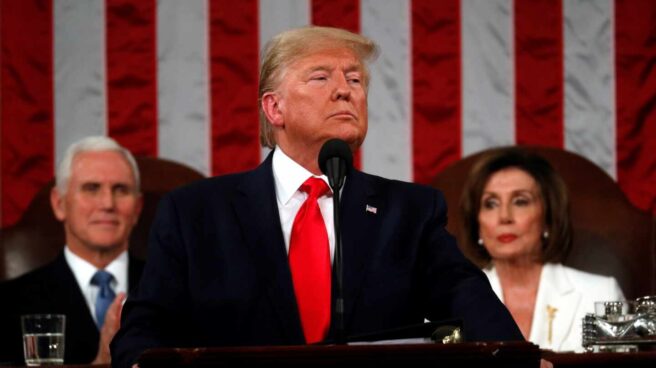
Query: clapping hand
(109, 329)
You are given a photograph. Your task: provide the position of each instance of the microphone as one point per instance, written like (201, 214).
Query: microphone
(335, 161)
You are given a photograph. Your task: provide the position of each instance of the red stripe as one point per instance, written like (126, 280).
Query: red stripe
(635, 57)
(340, 14)
(234, 42)
(539, 72)
(26, 108)
(132, 74)
(337, 13)
(436, 81)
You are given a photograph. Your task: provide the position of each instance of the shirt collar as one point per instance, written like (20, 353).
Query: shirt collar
(289, 175)
(84, 270)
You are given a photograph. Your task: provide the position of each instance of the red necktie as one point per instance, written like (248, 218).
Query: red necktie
(309, 260)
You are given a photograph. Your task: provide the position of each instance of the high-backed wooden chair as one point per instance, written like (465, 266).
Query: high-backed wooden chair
(38, 237)
(611, 236)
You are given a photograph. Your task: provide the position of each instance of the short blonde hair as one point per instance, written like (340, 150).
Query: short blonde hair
(289, 46)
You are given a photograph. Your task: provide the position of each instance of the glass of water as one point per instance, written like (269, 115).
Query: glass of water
(43, 338)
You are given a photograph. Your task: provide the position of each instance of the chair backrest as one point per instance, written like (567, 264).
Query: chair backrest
(611, 236)
(38, 237)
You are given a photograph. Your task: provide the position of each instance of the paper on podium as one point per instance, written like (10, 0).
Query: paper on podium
(422, 333)
(416, 340)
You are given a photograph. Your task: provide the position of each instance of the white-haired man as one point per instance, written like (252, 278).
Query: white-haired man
(98, 200)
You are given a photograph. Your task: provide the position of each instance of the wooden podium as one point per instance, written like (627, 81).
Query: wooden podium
(487, 354)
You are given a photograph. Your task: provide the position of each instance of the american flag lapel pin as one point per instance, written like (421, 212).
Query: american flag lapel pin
(371, 209)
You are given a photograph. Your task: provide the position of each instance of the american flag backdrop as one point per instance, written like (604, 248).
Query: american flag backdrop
(178, 79)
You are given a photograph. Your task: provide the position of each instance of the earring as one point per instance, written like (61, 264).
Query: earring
(545, 234)
(480, 242)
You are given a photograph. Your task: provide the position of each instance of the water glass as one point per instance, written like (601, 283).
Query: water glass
(43, 339)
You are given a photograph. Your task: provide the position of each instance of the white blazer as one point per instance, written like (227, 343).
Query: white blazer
(572, 293)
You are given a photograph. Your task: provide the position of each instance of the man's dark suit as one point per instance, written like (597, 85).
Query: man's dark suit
(53, 289)
(218, 274)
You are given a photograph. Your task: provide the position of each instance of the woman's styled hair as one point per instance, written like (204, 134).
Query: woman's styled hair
(553, 193)
(289, 46)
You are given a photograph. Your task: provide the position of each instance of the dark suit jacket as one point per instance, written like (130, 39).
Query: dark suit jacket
(217, 271)
(52, 289)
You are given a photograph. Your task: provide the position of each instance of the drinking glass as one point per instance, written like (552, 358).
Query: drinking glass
(43, 338)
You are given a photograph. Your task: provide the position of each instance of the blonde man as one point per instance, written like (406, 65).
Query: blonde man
(226, 267)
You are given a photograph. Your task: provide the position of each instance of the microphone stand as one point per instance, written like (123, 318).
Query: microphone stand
(336, 171)
(335, 160)
(339, 302)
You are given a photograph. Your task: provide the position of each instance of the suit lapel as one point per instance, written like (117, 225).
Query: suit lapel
(556, 296)
(135, 268)
(70, 299)
(76, 302)
(257, 212)
(493, 278)
(362, 207)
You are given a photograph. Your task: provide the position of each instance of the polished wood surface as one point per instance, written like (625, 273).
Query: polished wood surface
(490, 354)
(602, 360)
(500, 354)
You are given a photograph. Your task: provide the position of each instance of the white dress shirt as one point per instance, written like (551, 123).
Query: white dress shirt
(288, 177)
(84, 271)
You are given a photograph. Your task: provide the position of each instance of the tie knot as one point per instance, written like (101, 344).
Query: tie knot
(314, 187)
(102, 278)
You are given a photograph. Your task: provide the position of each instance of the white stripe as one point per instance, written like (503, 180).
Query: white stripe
(183, 90)
(487, 75)
(79, 81)
(387, 151)
(279, 15)
(589, 75)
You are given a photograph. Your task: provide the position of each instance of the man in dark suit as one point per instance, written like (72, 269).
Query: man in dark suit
(98, 200)
(229, 261)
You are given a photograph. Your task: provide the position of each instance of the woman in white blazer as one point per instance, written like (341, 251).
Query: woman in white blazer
(517, 227)
(563, 298)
